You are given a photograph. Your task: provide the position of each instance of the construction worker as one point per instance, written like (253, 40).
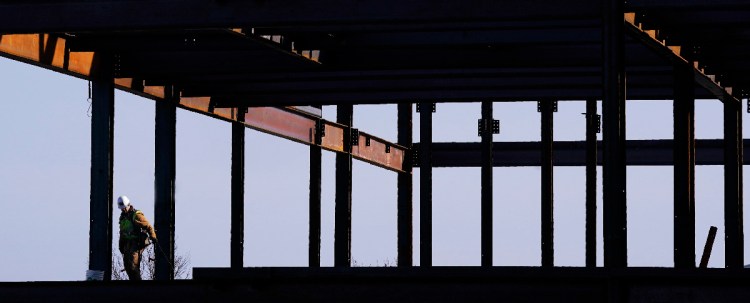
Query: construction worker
(135, 232)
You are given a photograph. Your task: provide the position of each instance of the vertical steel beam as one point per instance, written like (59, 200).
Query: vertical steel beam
(425, 185)
(684, 167)
(615, 206)
(405, 189)
(315, 200)
(342, 253)
(164, 184)
(733, 233)
(591, 130)
(486, 210)
(102, 140)
(548, 225)
(238, 191)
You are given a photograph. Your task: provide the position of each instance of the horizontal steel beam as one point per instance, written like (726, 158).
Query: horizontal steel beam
(437, 95)
(451, 38)
(46, 16)
(383, 284)
(572, 153)
(49, 51)
(681, 5)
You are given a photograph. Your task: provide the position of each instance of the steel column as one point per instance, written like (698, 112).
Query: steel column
(315, 199)
(405, 190)
(486, 210)
(684, 168)
(591, 153)
(342, 253)
(425, 185)
(615, 207)
(238, 191)
(102, 140)
(548, 225)
(733, 233)
(164, 174)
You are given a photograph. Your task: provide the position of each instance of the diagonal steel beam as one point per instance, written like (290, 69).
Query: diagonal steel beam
(673, 53)
(51, 52)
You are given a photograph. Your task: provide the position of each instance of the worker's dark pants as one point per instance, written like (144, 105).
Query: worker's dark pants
(132, 261)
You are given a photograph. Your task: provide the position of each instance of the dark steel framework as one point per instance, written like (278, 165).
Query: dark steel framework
(262, 65)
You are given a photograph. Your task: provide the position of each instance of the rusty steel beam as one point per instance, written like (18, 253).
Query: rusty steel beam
(50, 52)
(674, 54)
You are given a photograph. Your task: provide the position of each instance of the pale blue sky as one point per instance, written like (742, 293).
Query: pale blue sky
(44, 185)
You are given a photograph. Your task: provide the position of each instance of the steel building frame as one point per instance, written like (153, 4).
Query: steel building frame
(271, 65)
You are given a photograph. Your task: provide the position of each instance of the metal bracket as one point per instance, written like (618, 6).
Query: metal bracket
(414, 155)
(481, 126)
(539, 106)
(434, 107)
(598, 123)
(354, 137)
(387, 148)
(116, 65)
(320, 130)
(240, 112)
(367, 141)
(596, 119)
(211, 106)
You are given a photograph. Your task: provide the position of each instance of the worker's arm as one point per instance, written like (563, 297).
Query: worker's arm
(142, 222)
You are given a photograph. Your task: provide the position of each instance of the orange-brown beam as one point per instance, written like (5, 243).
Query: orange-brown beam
(50, 52)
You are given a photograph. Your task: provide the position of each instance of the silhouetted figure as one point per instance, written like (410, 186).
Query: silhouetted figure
(135, 232)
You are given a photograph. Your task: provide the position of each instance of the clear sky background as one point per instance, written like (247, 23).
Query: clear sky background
(45, 167)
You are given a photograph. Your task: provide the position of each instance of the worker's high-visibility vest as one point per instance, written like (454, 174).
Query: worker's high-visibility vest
(127, 226)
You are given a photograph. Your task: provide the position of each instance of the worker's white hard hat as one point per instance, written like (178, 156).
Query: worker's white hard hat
(123, 202)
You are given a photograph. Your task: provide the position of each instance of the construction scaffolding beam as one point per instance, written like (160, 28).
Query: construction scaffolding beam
(237, 240)
(102, 157)
(614, 180)
(425, 184)
(342, 251)
(592, 128)
(486, 132)
(684, 168)
(164, 185)
(405, 191)
(547, 109)
(733, 184)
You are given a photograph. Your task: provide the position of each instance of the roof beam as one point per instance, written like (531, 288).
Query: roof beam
(100, 15)
(50, 52)
(672, 53)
